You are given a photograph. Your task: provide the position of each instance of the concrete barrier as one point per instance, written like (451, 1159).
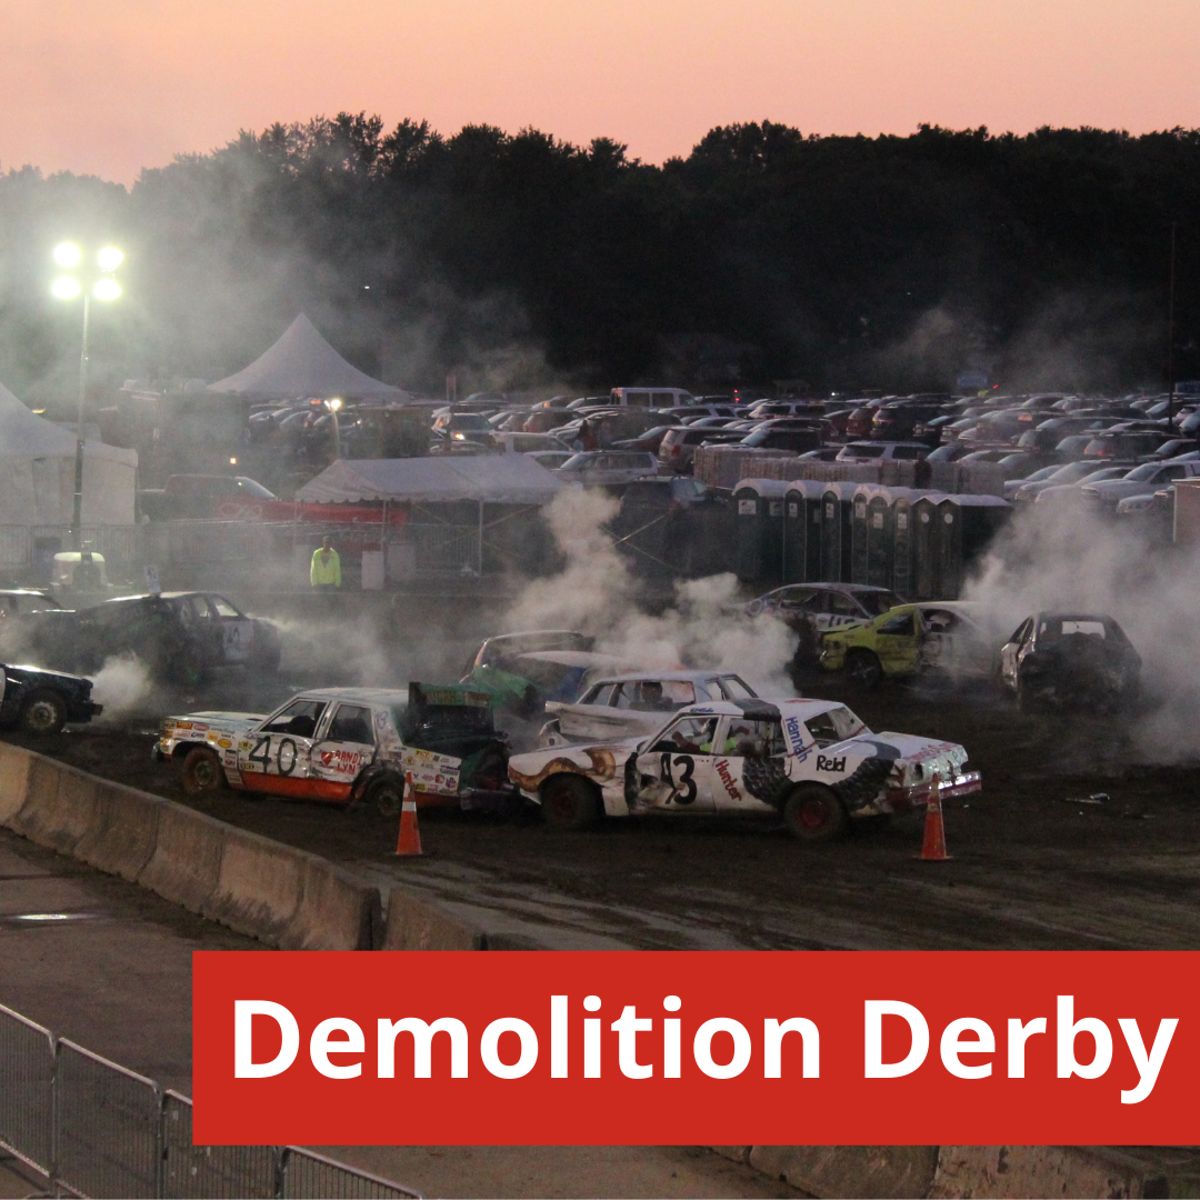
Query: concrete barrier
(415, 923)
(258, 885)
(60, 805)
(336, 911)
(121, 838)
(186, 862)
(852, 1171)
(14, 780)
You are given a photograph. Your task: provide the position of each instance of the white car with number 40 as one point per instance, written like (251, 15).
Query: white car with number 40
(812, 763)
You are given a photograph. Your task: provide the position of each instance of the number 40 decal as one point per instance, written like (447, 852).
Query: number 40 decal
(685, 789)
(285, 755)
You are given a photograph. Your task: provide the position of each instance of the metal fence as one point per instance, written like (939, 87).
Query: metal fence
(93, 1128)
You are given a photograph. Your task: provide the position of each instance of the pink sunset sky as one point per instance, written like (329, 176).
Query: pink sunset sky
(107, 87)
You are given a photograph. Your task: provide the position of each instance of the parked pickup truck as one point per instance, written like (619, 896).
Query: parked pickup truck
(198, 496)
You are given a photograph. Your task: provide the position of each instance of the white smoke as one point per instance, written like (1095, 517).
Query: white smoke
(123, 685)
(1064, 557)
(596, 593)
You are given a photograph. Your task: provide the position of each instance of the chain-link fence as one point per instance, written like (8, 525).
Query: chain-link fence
(93, 1128)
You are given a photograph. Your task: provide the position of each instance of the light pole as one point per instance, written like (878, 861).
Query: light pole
(92, 278)
(335, 406)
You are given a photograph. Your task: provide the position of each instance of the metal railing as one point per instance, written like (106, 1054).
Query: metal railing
(93, 1128)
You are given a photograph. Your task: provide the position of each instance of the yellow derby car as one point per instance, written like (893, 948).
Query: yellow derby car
(951, 638)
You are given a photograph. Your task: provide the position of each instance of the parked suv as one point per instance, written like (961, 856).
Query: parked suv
(677, 450)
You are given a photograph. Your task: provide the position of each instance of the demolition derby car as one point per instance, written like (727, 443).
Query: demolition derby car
(179, 635)
(632, 705)
(812, 763)
(1070, 659)
(42, 702)
(344, 745)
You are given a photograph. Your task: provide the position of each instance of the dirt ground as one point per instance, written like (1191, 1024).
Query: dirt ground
(1035, 867)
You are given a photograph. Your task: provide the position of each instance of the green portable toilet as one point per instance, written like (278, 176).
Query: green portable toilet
(759, 507)
(802, 531)
(835, 531)
(880, 538)
(859, 500)
(965, 525)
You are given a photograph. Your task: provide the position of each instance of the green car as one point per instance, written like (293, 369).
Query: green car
(949, 638)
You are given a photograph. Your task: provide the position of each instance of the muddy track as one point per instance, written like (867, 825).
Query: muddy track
(1030, 870)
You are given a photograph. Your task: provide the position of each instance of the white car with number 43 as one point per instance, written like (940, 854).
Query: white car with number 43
(812, 763)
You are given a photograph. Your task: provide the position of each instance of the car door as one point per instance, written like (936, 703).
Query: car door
(344, 747)
(895, 642)
(1013, 651)
(235, 630)
(675, 772)
(277, 756)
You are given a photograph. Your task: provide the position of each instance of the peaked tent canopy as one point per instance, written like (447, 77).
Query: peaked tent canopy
(486, 479)
(37, 472)
(303, 364)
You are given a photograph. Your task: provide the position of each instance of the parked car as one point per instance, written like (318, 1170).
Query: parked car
(42, 702)
(1070, 659)
(1105, 494)
(627, 705)
(179, 635)
(677, 449)
(595, 467)
(884, 451)
(344, 745)
(944, 638)
(811, 763)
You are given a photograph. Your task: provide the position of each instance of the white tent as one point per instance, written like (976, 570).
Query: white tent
(300, 365)
(37, 473)
(484, 478)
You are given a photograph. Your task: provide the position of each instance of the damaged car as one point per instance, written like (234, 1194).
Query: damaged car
(810, 763)
(627, 705)
(180, 636)
(42, 702)
(1069, 659)
(346, 745)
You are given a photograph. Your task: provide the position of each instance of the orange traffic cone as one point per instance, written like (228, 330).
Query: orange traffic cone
(933, 847)
(408, 843)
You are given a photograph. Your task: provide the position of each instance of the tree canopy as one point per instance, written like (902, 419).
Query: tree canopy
(520, 260)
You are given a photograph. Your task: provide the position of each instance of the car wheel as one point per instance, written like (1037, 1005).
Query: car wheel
(569, 802)
(864, 668)
(386, 796)
(202, 772)
(43, 713)
(813, 813)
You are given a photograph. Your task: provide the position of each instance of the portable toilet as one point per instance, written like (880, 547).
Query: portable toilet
(965, 525)
(925, 548)
(880, 536)
(858, 531)
(836, 502)
(758, 552)
(802, 531)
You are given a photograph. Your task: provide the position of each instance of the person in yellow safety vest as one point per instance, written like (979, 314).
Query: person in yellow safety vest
(325, 573)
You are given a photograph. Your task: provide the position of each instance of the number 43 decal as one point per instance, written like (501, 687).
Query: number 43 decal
(685, 790)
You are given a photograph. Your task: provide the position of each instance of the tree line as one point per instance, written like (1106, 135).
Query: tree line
(522, 261)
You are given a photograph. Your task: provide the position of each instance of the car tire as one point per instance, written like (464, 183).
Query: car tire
(569, 802)
(386, 796)
(813, 813)
(43, 713)
(864, 668)
(202, 772)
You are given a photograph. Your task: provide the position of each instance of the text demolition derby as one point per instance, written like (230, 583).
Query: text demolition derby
(646, 1047)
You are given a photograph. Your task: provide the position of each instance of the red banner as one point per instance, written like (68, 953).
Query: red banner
(693, 1048)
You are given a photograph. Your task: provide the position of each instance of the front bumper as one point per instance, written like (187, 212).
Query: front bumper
(915, 795)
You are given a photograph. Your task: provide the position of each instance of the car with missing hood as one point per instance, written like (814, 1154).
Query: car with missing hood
(811, 763)
(1070, 659)
(42, 702)
(950, 639)
(523, 683)
(345, 745)
(180, 636)
(627, 705)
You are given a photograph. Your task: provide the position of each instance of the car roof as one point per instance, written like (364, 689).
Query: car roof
(363, 695)
(665, 677)
(857, 589)
(801, 709)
